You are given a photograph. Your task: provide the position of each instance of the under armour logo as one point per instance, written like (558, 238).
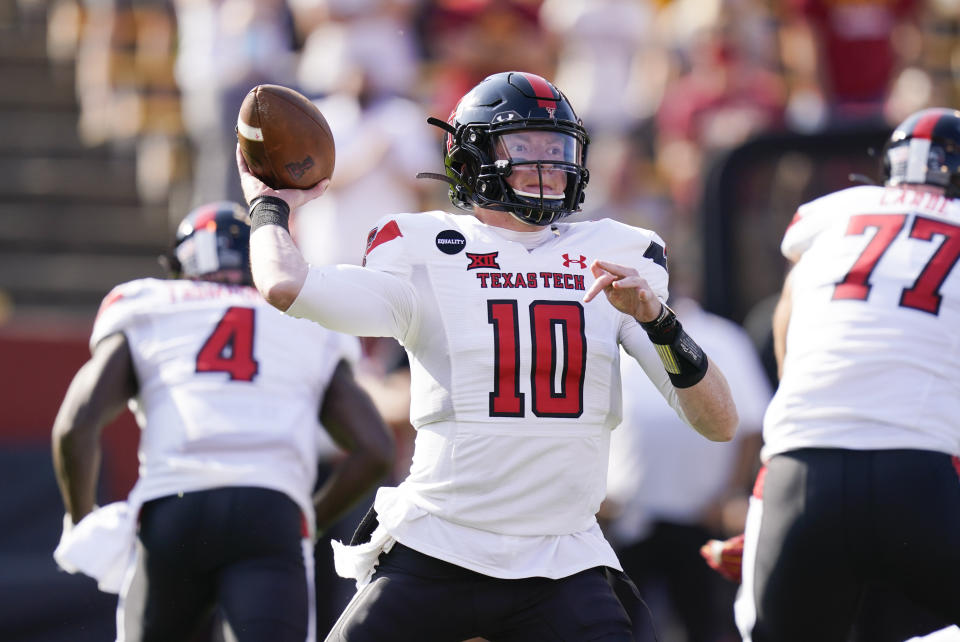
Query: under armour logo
(551, 112)
(582, 261)
(506, 116)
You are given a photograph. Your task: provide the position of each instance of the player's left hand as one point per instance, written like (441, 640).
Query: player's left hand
(725, 556)
(254, 187)
(626, 290)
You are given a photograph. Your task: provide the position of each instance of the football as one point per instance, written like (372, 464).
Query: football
(284, 138)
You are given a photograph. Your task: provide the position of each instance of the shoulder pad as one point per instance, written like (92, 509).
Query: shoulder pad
(123, 303)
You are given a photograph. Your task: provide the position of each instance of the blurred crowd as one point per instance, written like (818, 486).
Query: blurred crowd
(663, 87)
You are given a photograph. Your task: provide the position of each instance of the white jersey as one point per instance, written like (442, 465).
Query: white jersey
(515, 381)
(873, 343)
(229, 388)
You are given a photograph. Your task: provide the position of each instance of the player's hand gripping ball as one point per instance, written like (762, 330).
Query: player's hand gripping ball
(284, 138)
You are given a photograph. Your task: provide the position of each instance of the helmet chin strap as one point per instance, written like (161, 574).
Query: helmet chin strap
(518, 218)
(527, 220)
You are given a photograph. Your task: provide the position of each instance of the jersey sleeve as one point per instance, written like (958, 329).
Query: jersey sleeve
(641, 249)
(654, 267)
(122, 307)
(812, 218)
(799, 235)
(633, 338)
(376, 300)
(386, 249)
(637, 344)
(636, 247)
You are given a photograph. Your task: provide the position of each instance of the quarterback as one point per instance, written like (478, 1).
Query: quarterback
(515, 377)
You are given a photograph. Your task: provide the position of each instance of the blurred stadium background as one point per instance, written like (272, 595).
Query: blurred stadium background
(711, 121)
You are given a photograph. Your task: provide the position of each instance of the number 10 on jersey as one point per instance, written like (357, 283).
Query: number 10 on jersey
(558, 360)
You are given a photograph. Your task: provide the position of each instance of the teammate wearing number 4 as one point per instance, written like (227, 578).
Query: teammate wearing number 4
(862, 437)
(515, 378)
(228, 393)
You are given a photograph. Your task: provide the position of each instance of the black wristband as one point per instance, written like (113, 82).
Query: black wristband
(269, 210)
(684, 360)
(662, 330)
(687, 363)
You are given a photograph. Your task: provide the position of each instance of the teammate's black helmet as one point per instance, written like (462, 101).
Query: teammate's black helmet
(213, 240)
(478, 161)
(925, 149)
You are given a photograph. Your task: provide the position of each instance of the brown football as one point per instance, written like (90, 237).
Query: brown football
(284, 138)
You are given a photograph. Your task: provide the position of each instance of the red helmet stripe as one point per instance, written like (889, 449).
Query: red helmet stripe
(204, 217)
(924, 126)
(542, 90)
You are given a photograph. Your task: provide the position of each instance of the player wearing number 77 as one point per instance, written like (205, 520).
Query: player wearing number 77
(513, 321)
(228, 393)
(861, 440)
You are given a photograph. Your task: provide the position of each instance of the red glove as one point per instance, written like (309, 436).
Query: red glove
(725, 557)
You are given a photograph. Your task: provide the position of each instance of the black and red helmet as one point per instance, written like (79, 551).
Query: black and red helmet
(213, 242)
(925, 150)
(501, 105)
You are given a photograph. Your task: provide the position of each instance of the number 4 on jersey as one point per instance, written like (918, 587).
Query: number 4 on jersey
(230, 347)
